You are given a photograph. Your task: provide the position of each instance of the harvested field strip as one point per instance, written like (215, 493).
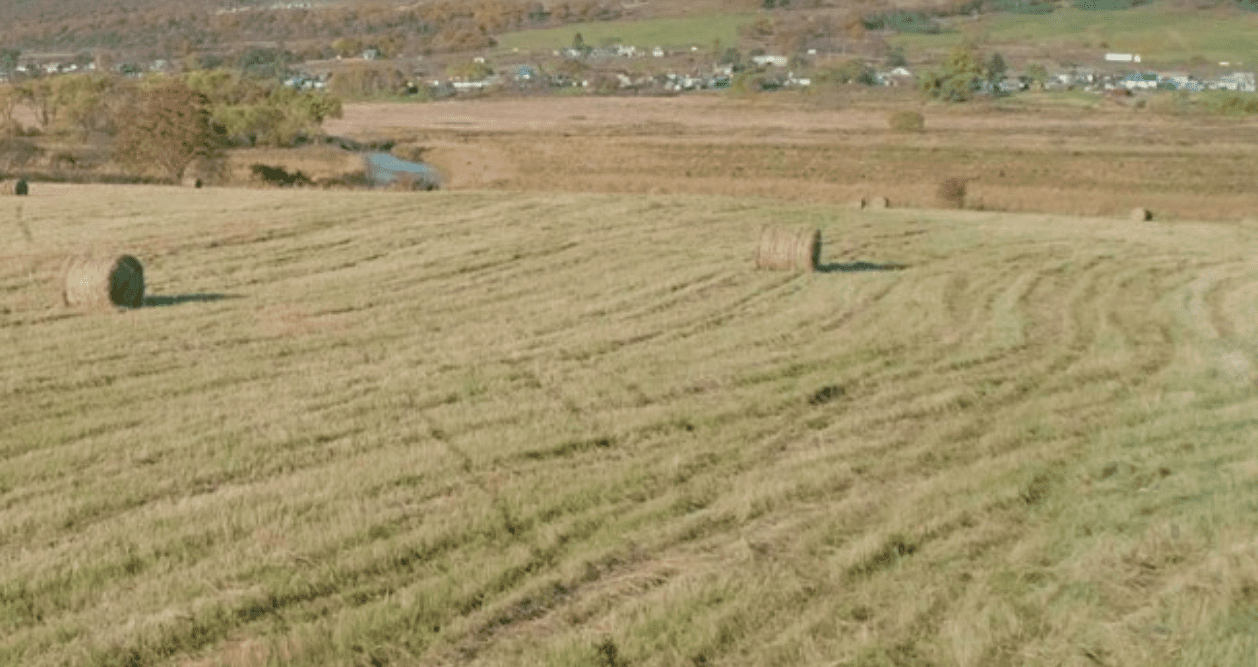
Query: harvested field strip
(482, 428)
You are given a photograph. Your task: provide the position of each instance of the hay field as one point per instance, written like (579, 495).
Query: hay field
(1020, 157)
(478, 428)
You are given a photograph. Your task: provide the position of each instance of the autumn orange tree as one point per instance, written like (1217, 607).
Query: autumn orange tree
(169, 128)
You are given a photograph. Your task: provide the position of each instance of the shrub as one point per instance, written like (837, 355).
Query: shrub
(1229, 103)
(906, 121)
(278, 176)
(951, 192)
(854, 70)
(959, 78)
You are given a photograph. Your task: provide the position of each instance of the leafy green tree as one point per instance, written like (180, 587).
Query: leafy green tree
(346, 47)
(958, 79)
(1037, 75)
(9, 60)
(472, 70)
(168, 128)
(82, 59)
(994, 71)
(79, 100)
(895, 57)
(854, 70)
(265, 63)
(256, 112)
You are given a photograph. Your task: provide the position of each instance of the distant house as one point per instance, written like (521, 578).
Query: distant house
(1140, 81)
(1123, 57)
(658, 52)
(1242, 82)
(775, 61)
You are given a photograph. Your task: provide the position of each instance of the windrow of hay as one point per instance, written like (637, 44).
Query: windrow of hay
(1141, 214)
(14, 187)
(101, 282)
(788, 249)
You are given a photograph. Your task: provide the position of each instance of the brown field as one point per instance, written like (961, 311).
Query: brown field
(1081, 161)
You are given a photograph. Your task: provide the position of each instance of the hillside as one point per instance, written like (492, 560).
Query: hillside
(474, 428)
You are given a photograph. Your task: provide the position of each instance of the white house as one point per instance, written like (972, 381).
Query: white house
(1123, 57)
(776, 61)
(1242, 82)
(1140, 81)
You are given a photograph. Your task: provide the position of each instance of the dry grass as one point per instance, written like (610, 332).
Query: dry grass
(489, 428)
(1051, 160)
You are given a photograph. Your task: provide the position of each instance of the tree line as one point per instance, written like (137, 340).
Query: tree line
(167, 121)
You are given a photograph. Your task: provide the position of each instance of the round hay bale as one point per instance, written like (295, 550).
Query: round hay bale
(15, 187)
(788, 249)
(1140, 214)
(96, 283)
(192, 182)
(878, 202)
(858, 203)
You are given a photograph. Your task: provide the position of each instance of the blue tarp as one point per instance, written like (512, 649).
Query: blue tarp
(383, 169)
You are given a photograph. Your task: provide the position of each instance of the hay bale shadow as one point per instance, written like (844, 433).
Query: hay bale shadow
(159, 300)
(853, 267)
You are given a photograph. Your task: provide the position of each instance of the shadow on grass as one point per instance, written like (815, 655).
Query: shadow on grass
(852, 267)
(176, 299)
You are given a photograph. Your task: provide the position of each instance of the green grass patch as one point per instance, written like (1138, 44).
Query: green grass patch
(1160, 34)
(701, 31)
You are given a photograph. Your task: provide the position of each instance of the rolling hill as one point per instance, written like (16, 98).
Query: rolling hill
(500, 428)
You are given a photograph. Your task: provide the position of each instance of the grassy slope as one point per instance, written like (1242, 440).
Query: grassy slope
(1160, 34)
(470, 428)
(699, 31)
